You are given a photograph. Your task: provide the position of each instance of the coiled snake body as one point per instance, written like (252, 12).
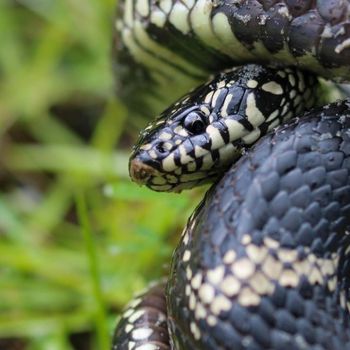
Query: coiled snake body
(264, 261)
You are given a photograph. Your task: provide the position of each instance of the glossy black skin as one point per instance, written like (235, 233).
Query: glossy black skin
(294, 187)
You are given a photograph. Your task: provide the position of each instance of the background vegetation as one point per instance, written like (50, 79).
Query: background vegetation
(77, 238)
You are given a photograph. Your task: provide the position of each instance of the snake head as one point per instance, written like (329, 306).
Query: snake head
(166, 153)
(197, 138)
(180, 149)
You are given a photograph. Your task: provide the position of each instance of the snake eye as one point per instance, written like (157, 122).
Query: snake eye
(195, 123)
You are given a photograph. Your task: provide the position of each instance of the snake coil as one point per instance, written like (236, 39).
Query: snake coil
(263, 262)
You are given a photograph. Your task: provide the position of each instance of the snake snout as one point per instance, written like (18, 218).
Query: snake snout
(140, 172)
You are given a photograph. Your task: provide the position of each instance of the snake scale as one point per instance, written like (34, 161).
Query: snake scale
(263, 262)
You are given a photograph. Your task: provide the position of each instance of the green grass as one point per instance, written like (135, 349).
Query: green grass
(65, 271)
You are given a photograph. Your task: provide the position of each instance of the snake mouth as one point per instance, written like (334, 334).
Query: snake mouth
(140, 172)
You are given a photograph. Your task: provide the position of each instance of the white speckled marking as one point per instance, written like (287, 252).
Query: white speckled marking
(229, 43)
(186, 255)
(332, 283)
(315, 276)
(219, 304)
(291, 79)
(206, 293)
(243, 268)
(178, 18)
(201, 23)
(230, 286)
(215, 97)
(188, 273)
(271, 243)
(273, 115)
(229, 257)
(196, 281)
(158, 18)
(287, 255)
(260, 284)
(252, 84)
(199, 151)
(251, 137)
(224, 109)
(181, 131)
(129, 327)
(192, 301)
(142, 333)
(142, 7)
(207, 161)
(147, 347)
(227, 153)
(152, 153)
(212, 320)
(255, 253)
(273, 88)
(165, 5)
(246, 239)
(248, 298)
(136, 315)
(209, 97)
(220, 84)
(254, 115)
(342, 46)
(216, 139)
(273, 125)
(195, 331)
(200, 311)
(235, 129)
(165, 136)
(205, 110)
(289, 278)
(128, 312)
(216, 275)
(272, 268)
(184, 157)
(128, 12)
(169, 163)
(191, 166)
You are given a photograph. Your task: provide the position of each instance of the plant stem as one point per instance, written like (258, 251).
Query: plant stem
(101, 319)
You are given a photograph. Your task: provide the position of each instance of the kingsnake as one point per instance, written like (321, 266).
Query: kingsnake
(263, 261)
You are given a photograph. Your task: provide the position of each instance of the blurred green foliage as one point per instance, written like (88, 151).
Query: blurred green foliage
(65, 139)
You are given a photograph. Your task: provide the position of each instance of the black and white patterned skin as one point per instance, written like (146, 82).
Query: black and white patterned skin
(165, 46)
(264, 261)
(198, 137)
(143, 324)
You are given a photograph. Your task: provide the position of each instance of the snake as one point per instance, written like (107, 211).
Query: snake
(263, 262)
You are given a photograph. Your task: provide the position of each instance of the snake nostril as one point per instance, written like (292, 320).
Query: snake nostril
(161, 147)
(140, 172)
